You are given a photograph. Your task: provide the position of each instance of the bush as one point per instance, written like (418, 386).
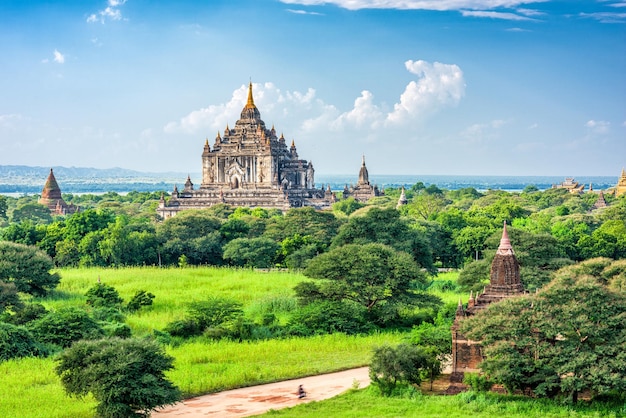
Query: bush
(29, 313)
(17, 342)
(140, 299)
(65, 326)
(392, 366)
(103, 295)
(184, 328)
(329, 317)
(477, 382)
(117, 329)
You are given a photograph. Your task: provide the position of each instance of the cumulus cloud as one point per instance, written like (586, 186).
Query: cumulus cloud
(440, 5)
(110, 12)
(436, 86)
(58, 57)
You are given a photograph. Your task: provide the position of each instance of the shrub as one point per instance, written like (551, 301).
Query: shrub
(477, 382)
(29, 313)
(183, 328)
(117, 329)
(329, 317)
(140, 299)
(65, 326)
(16, 342)
(392, 366)
(103, 295)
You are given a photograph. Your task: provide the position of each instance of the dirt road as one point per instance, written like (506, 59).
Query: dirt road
(256, 400)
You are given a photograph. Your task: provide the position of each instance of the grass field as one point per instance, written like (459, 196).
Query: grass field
(30, 388)
(367, 403)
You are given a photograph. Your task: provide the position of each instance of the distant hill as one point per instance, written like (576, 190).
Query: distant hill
(29, 179)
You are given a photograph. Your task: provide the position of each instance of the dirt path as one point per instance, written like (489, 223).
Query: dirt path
(256, 400)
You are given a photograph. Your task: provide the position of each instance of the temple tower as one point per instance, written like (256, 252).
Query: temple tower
(504, 282)
(51, 197)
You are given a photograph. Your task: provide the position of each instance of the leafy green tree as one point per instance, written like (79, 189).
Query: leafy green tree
(23, 232)
(328, 317)
(251, 252)
(65, 326)
(565, 339)
(367, 274)
(102, 295)
(347, 206)
(31, 211)
(391, 366)
(320, 226)
(125, 376)
(26, 313)
(385, 226)
(436, 342)
(28, 268)
(17, 342)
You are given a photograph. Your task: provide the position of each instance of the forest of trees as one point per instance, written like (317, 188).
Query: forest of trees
(369, 267)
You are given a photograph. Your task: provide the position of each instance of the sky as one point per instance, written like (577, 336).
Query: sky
(438, 87)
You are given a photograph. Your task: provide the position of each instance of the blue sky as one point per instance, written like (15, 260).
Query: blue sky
(477, 87)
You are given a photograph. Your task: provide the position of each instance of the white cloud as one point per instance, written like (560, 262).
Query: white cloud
(303, 12)
(58, 57)
(416, 4)
(494, 15)
(111, 12)
(598, 126)
(437, 86)
(606, 17)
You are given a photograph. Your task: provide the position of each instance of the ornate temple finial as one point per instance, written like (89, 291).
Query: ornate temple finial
(505, 247)
(459, 309)
(363, 160)
(250, 98)
(293, 143)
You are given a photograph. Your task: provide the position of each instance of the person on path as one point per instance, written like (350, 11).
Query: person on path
(301, 392)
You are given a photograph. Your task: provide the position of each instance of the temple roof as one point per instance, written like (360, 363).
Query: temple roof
(250, 112)
(505, 247)
(363, 174)
(51, 189)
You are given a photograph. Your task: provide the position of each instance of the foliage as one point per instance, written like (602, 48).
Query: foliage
(27, 313)
(16, 342)
(3, 207)
(384, 226)
(28, 268)
(477, 382)
(126, 376)
(9, 297)
(327, 317)
(391, 366)
(140, 299)
(211, 313)
(102, 295)
(65, 326)
(347, 206)
(251, 252)
(366, 274)
(567, 338)
(31, 211)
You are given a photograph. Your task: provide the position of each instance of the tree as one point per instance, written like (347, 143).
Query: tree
(31, 211)
(436, 342)
(347, 206)
(368, 274)
(126, 376)
(391, 366)
(140, 299)
(565, 339)
(251, 252)
(28, 268)
(385, 226)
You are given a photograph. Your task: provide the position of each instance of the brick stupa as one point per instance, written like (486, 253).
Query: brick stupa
(504, 283)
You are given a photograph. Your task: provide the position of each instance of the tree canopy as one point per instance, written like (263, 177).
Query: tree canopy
(28, 268)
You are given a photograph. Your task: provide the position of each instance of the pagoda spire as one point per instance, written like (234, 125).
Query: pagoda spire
(505, 247)
(250, 98)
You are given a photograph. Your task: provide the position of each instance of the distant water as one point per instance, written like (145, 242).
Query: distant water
(480, 183)
(337, 183)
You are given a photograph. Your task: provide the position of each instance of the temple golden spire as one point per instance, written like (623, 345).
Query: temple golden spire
(250, 98)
